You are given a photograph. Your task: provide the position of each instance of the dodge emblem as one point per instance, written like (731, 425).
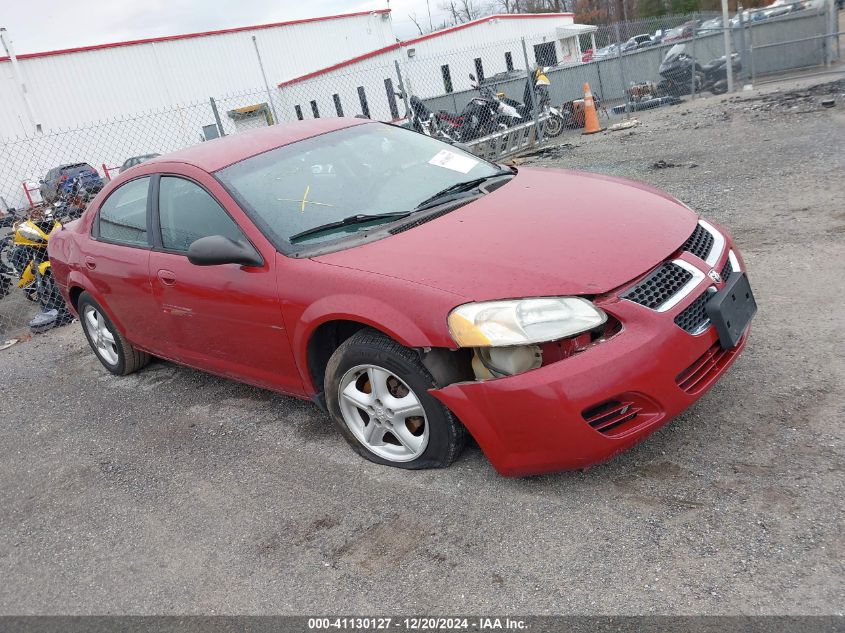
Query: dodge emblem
(716, 277)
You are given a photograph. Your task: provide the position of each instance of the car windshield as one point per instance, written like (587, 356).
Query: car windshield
(364, 170)
(712, 25)
(676, 51)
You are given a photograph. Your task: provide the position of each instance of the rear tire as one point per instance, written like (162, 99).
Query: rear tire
(377, 394)
(115, 353)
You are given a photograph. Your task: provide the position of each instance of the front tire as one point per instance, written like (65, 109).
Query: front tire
(553, 126)
(377, 394)
(720, 87)
(115, 353)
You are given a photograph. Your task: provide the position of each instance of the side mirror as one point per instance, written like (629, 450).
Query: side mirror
(41, 181)
(216, 249)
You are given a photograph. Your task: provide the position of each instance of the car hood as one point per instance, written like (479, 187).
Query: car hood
(546, 232)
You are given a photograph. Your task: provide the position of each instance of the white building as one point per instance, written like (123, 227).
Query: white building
(103, 104)
(438, 63)
(74, 87)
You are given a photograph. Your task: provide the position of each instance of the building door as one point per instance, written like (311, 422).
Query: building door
(545, 54)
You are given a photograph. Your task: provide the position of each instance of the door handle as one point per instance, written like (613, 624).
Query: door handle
(167, 277)
(90, 263)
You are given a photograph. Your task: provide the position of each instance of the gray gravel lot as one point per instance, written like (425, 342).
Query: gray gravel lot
(172, 491)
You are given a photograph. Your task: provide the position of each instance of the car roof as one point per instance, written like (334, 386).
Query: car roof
(222, 152)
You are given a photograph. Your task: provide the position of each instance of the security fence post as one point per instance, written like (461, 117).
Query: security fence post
(830, 15)
(601, 85)
(403, 90)
(622, 69)
(743, 51)
(266, 83)
(728, 45)
(217, 116)
(751, 51)
(529, 77)
(693, 63)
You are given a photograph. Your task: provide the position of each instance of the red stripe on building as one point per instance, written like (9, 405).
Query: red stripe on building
(421, 38)
(187, 36)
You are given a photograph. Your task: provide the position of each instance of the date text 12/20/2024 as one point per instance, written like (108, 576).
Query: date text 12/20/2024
(417, 623)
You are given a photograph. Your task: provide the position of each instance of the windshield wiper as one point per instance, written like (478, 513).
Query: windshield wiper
(358, 218)
(438, 198)
(459, 187)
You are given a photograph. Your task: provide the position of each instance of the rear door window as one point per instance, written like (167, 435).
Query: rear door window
(123, 216)
(187, 212)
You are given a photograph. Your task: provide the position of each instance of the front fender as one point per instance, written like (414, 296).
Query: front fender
(349, 307)
(27, 276)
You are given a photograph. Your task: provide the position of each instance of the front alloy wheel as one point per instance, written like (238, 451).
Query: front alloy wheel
(383, 413)
(553, 126)
(377, 392)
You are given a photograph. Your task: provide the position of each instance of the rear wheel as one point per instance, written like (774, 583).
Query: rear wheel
(377, 394)
(114, 351)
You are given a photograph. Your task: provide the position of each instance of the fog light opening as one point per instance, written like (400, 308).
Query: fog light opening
(498, 362)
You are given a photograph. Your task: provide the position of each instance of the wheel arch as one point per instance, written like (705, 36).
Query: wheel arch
(74, 292)
(324, 339)
(76, 285)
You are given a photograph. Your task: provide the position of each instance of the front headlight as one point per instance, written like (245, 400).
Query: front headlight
(29, 232)
(522, 321)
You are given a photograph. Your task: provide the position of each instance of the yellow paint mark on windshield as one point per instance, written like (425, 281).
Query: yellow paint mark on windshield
(304, 200)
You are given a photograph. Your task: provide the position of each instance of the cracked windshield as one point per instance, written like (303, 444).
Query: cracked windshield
(332, 185)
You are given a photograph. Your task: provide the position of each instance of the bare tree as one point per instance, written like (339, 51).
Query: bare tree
(461, 11)
(413, 18)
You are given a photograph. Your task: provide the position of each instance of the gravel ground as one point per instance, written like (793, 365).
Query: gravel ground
(172, 491)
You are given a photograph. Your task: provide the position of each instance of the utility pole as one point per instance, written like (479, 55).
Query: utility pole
(726, 29)
(266, 84)
(19, 82)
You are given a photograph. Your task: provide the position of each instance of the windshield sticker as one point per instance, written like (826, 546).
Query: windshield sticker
(453, 161)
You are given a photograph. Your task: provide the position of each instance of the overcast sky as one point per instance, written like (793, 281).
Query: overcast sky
(53, 24)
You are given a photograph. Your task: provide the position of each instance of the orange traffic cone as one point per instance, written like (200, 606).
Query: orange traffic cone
(591, 118)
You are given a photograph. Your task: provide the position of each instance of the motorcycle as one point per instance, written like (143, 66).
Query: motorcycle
(677, 68)
(419, 117)
(551, 118)
(23, 255)
(483, 115)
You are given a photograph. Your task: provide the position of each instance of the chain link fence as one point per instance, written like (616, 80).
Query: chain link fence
(482, 96)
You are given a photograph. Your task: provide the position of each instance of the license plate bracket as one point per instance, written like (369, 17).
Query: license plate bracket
(731, 309)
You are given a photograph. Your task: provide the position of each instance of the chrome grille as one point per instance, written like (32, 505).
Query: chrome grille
(699, 243)
(659, 286)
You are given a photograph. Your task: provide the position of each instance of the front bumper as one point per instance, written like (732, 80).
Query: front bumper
(535, 422)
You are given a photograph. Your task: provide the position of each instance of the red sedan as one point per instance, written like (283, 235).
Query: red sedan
(415, 291)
